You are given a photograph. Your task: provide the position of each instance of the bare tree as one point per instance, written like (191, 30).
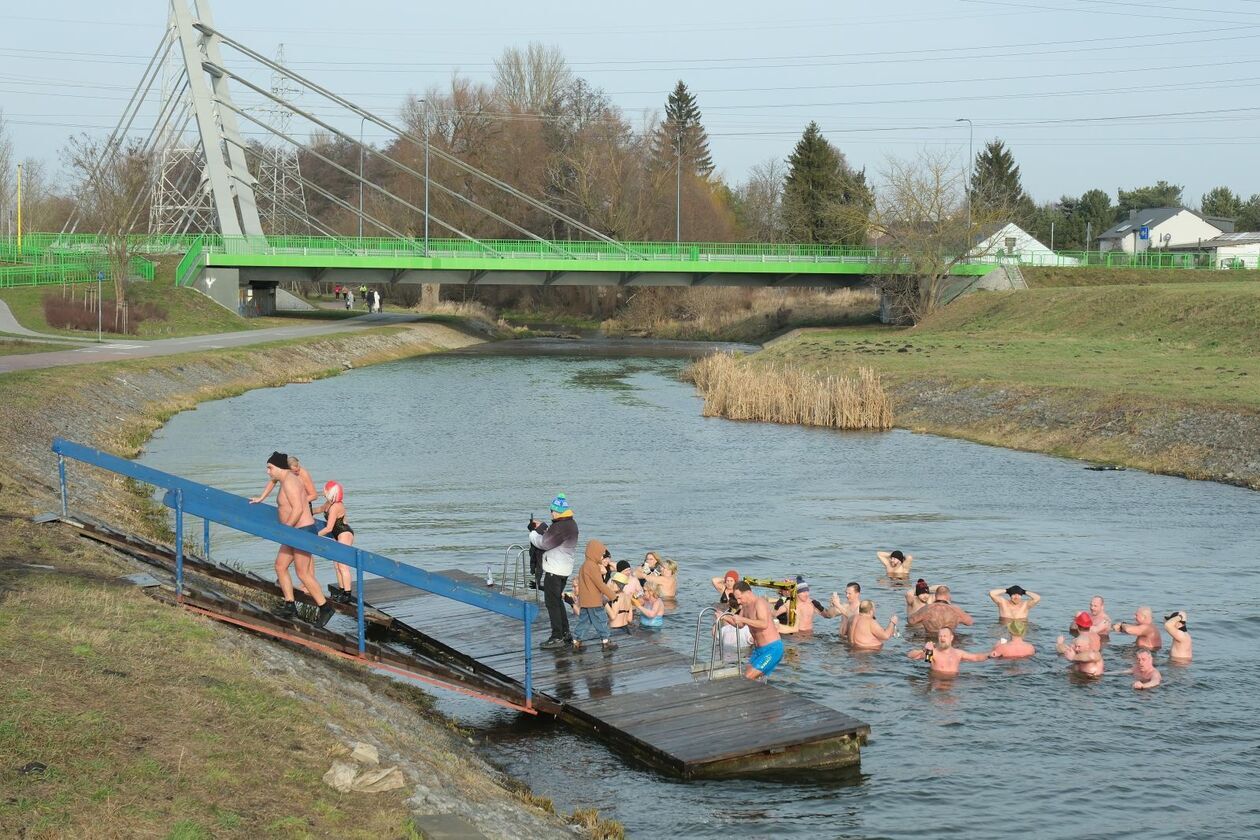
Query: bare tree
(532, 79)
(921, 224)
(760, 200)
(6, 177)
(112, 187)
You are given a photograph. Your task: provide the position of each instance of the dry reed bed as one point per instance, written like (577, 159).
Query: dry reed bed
(737, 390)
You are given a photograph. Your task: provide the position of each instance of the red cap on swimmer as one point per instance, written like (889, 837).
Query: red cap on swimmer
(1083, 620)
(334, 492)
(730, 574)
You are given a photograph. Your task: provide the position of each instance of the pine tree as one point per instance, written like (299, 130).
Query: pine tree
(996, 190)
(682, 135)
(824, 201)
(1221, 201)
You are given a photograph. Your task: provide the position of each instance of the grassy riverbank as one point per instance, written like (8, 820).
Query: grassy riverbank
(1161, 377)
(148, 721)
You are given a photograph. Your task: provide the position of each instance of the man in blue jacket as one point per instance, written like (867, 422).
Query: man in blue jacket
(558, 544)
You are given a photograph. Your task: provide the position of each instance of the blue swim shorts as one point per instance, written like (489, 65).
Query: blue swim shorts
(766, 659)
(312, 528)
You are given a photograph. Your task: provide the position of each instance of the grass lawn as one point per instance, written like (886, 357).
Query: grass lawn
(1052, 277)
(1194, 343)
(9, 347)
(147, 727)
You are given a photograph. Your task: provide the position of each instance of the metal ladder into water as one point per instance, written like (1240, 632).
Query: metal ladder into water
(516, 576)
(717, 652)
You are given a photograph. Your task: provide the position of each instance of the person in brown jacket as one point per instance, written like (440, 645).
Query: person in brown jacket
(591, 592)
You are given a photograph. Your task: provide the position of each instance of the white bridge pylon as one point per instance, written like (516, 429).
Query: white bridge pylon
(227, 175)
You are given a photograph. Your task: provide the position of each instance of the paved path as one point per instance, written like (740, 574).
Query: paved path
(114, 351)
(10, 325)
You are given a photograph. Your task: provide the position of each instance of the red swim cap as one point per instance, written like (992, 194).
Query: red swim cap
(1083, 620)
(730, 573)
(334, 492)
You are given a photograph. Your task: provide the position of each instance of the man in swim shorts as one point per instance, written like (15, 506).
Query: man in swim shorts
(755, 614)
(292, 510)
(1016, 604)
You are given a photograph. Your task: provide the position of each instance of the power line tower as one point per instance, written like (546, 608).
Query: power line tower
(181, 202)
(281, 197)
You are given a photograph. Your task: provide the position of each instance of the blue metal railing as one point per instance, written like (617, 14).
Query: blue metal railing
(184, 496)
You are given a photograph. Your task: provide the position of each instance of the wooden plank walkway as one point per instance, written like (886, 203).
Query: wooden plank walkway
(642, 698)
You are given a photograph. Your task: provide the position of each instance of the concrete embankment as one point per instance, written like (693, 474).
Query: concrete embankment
(121, 716)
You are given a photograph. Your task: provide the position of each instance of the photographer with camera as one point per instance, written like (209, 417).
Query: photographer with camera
(558, 543)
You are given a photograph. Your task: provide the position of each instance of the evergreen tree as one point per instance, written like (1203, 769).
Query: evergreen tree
(682, 135)
(996, 190)
(1249, 215)
(824, 200)
(1221, 201)
(1162, 194)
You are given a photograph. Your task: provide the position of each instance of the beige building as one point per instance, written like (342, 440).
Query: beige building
(1162, 228)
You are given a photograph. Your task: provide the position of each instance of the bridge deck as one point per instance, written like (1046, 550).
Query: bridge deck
(642, 698)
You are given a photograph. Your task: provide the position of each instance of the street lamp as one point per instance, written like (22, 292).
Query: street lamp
(678, 190)
(361, 121)
(970, 165)
(425, 103)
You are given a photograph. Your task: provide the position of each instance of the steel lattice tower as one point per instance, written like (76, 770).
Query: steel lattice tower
(181, 194)
(281, 198)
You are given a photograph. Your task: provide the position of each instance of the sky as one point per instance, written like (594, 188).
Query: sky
(1086, 93)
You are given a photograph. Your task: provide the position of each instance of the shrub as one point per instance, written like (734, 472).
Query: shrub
(70, 314)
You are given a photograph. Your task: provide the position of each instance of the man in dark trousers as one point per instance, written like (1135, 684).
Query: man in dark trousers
(558, 544)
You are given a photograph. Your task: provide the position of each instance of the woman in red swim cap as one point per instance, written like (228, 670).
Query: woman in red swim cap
(336, 528)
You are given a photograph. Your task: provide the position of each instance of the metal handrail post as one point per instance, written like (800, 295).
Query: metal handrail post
(358, 593)
(61, 471)
(179, 544)
(529, 664)
(205, 538)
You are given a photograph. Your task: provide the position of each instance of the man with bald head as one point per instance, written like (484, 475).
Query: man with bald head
(1142, 628)
(943, 656)
(939, 614)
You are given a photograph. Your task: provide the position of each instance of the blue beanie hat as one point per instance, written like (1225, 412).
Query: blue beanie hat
(559, 504)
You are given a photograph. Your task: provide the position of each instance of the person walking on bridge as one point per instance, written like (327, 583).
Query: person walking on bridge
(558, 544)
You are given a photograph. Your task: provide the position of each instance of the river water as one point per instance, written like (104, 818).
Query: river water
(444, 458)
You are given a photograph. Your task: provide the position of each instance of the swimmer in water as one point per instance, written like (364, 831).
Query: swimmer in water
(725, 584)
(1182, 651)
(1016, 647)
(1098, 613)
(866, 633)
(943, 657)
(1016, 604)
(919, 598)
(896, 564)
(1084, 631)
(1145, 673)
(940, 613)
(1084, 660)
(1143, 628)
